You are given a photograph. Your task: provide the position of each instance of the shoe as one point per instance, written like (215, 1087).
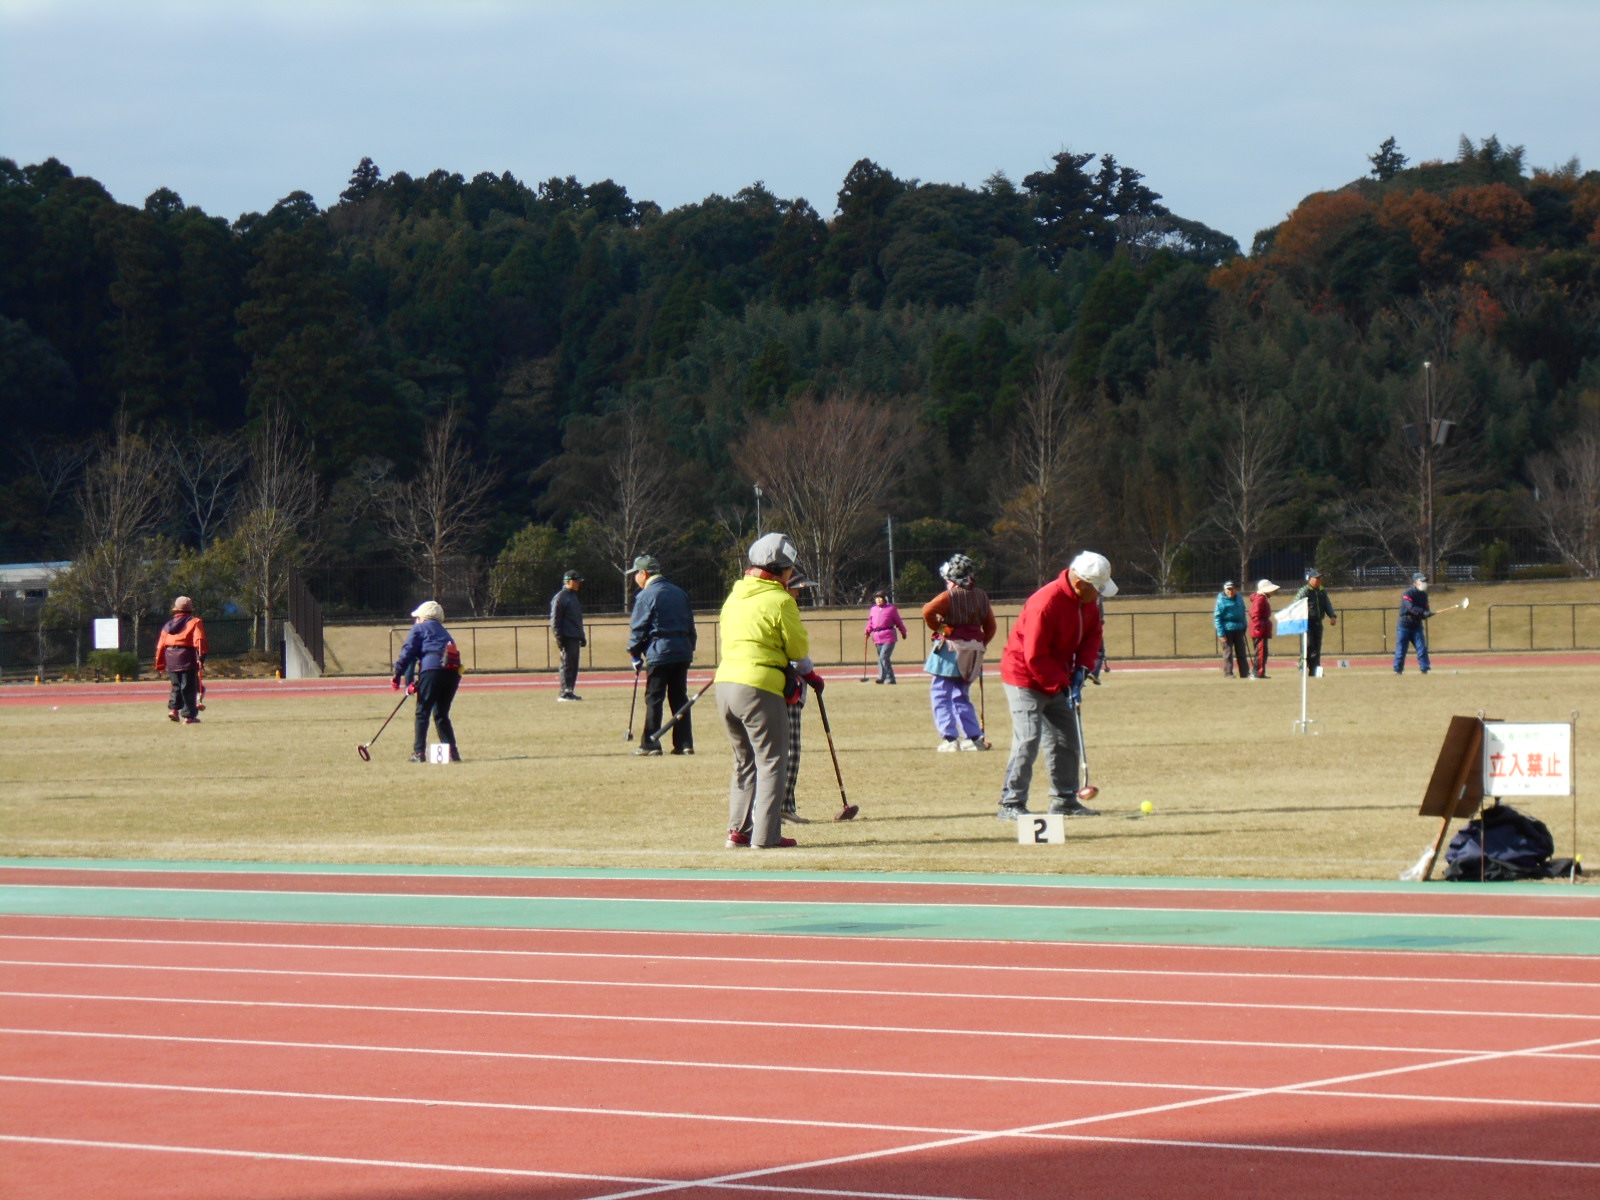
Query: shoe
(877, 681)
(793, 817)
(647, 752)
(563, 698)
(172, 715)
(574, 696)
(892, 682)
(191, 720)
(682, 750)
(782, 843)
(1011, 812)
(1260, 676)
(948, 746)
(418, 756)
(970, 744)
(737, 837)
(455, 755)
(1074, 809)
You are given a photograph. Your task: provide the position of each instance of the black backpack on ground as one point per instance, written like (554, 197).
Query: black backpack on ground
(1518, 847)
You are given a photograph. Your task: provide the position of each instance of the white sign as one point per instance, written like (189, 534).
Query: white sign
(1526, 759)
(1042, 829)
(438, 752)
(107, 633)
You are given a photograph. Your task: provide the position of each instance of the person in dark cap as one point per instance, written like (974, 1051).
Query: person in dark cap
(1318, 607)
(661, 640)
(1408, 631)
(566, 623)
(1231, 620)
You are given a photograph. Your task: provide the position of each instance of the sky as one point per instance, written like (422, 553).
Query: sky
(1233, 111)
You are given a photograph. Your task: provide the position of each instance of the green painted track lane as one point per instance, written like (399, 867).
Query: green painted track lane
(1169, 927)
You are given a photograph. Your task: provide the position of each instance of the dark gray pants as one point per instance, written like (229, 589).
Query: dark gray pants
(436, 692)
(185, 692)
(569, 662)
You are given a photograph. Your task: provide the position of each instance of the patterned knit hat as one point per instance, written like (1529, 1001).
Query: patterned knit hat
(959, 570)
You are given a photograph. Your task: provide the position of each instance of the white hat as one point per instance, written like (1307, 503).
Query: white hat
(428, 610)
(773, 552)
(1266, 587)
(1095, 570)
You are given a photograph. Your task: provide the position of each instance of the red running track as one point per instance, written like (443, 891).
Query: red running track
(185, 1059)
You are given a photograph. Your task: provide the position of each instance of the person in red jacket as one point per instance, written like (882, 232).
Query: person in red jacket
(180, 651)
(1053, 647)
(1261, 625)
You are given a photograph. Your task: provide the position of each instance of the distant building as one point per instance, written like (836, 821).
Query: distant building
(29, 581)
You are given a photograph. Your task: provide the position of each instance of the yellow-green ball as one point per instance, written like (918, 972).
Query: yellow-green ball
(1147, 807)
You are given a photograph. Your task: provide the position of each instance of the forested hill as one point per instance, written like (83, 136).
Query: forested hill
(1058, 354)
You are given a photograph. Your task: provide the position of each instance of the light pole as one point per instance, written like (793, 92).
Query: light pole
(1428, 435)
(758, 510)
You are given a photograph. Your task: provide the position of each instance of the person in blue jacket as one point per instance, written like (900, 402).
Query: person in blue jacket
(1408, 631)
(661, 639)
(1231, 621)
(432, 650)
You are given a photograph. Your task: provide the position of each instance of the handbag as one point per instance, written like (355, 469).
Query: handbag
(942, 661)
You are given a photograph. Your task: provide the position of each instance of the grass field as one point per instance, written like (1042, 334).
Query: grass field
(1236, 791)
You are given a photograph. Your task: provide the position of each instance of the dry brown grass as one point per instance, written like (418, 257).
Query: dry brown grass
(1236, 791)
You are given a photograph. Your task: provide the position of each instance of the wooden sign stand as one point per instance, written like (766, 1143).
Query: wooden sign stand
(1456, 789)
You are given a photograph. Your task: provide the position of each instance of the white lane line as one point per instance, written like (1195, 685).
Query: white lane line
(998, 882)
(1196, 910)
(423, 1102)
(890, 993)
(510, 1172)
(1258, 1147)
(1396, 954)
(1396, 1097)
(1028, 1035)
(1077, 1122)
(834, 963)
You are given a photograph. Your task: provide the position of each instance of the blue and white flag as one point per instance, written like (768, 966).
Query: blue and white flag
(1292, 619)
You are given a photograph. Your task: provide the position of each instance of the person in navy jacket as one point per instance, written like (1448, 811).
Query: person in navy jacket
(431, 648)
(1409, 631)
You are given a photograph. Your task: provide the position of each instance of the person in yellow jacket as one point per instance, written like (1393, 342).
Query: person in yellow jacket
(180, 655)
(761, 636)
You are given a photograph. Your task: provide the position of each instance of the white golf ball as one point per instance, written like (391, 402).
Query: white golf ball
(55, 708)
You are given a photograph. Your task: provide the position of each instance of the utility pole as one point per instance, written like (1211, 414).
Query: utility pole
(889, 529)
(1427, 566)
(758, 510)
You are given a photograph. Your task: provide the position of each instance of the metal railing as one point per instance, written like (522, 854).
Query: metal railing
(1162, 635)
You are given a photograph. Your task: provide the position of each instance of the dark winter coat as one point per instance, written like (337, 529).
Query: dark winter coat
(1414, 608)
(1320, 606)
(662, 628)
(425, 646)
(566, 615)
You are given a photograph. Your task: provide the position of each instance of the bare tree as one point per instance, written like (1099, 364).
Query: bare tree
(828, 467)
(436, 513)
(1157, 525)
(1567, 497)
(276, 504)
(122, 501)
(1036, 505)
(635, 503)
(1253, 481)
(207, 469)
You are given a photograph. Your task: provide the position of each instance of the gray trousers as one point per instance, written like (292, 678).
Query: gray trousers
(1038, 720)
(757, 724)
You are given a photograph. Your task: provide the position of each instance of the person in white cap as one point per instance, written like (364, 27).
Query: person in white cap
(1053, 648)
(433, 651)
(761, 637)
(1261, 625)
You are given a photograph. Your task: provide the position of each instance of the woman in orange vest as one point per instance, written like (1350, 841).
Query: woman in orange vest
(180, 653)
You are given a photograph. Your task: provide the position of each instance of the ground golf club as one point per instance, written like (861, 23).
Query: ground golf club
(364, 748)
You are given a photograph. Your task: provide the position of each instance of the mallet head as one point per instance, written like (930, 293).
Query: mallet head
(1088, 792)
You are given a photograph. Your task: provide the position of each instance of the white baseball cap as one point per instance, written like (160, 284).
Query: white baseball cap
(1095, 570)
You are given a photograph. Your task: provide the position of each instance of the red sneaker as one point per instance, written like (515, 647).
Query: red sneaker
(737, 837)
(782, 843)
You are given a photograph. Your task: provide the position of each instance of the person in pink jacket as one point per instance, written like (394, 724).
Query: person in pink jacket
(882, 622)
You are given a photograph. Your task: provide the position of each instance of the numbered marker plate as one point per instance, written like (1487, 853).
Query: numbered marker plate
(438, 752)
(1042, 829)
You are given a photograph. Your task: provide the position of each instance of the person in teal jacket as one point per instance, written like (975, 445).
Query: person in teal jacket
(1231, 620)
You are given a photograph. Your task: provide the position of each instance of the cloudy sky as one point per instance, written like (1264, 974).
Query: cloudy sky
(1233, 111)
